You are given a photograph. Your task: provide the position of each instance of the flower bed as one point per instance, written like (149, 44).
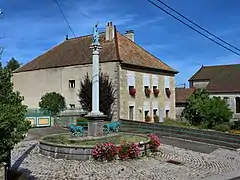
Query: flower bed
(109, 151)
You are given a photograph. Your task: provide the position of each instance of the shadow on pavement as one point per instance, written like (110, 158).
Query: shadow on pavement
(19, 161)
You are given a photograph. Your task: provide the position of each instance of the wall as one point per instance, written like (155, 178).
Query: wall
(140, 100)
(179, 108)
(199, 84)
(33, 84)
(231, 102)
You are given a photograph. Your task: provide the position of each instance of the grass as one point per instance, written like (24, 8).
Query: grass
(64, 139)
(178, 123)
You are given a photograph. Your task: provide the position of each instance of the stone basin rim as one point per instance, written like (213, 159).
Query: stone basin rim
(42, 141)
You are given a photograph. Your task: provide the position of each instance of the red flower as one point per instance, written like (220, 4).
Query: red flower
(156, 92)
(155, 143)
(147, 92)
(132, 92)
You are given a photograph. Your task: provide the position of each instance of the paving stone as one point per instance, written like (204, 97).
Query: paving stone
(193, 165)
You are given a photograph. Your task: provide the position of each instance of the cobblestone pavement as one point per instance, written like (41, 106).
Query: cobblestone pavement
(194, 165)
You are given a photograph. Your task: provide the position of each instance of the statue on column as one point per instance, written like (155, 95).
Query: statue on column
(96, 35)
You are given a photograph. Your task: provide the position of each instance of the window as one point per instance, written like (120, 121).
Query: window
(237, 99)
(146, 87)
(131, 79)
(72, 106)
(166, 82)
(154, 112)
(154, 81)
(131, 109)
(130, 87)
(167, 114)
(226, 99)
(154, 87)
(72, 84)
(146, 81)
(146, 113)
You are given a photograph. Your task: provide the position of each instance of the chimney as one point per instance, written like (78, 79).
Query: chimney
(109, 34)
(66, 38)
(130, 35)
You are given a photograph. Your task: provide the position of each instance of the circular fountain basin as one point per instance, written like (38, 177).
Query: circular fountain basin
(64, 146)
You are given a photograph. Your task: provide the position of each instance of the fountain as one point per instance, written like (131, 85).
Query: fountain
(79, 147)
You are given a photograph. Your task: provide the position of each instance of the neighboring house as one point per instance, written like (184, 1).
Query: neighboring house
(62, 68)
(222, 81)
(182, 95)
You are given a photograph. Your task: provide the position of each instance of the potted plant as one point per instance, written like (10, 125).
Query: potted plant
(156, 92)
(147, 118)
(156, 118)
(132, 92)
(147, 92)
(168, 92)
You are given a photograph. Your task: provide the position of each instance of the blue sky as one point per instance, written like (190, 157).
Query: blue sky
(30, 27)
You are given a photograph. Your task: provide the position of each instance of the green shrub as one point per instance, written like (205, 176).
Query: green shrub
(236, 125)
(202, 108)
(156, 118)
(222, 127)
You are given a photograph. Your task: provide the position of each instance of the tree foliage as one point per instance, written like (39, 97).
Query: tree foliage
(106, 94)
(12, 64)
(202, 109)
(13, 124)
(53, 103)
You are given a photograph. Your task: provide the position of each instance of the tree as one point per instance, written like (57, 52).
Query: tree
(106, 95)
(12, 64)
(13, 124)
(52, 103)
(202, 109)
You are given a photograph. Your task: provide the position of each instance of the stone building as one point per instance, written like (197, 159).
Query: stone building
(222, 81)
(132, 68)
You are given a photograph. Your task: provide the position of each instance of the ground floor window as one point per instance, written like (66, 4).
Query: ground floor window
(154, 112)
(146, 113)
(167, 114)
(131, 112)
(237, 99)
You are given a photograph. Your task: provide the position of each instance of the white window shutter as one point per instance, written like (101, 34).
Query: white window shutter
(154, 80)
(167, 82)
(146, 80)
(131, 79)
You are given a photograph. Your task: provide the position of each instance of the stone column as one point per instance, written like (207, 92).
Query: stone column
(95, 117)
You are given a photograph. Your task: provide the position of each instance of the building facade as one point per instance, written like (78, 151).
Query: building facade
(62, 68)
(220, 81)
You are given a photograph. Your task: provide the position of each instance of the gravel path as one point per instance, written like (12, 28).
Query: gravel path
(194, 165)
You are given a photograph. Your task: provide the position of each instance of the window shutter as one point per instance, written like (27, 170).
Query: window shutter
(131, 79)
(154, 80)
(167, 82)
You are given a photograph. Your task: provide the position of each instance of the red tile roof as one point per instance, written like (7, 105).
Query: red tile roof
(182, 94)
(222, 79)
(76, 51)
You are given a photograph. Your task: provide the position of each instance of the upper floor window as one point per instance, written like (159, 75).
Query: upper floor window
(166, 82)
(71, 83)
(146, 82)
(154, 82)
(237, 99)
(131, 79)
(226, 99)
